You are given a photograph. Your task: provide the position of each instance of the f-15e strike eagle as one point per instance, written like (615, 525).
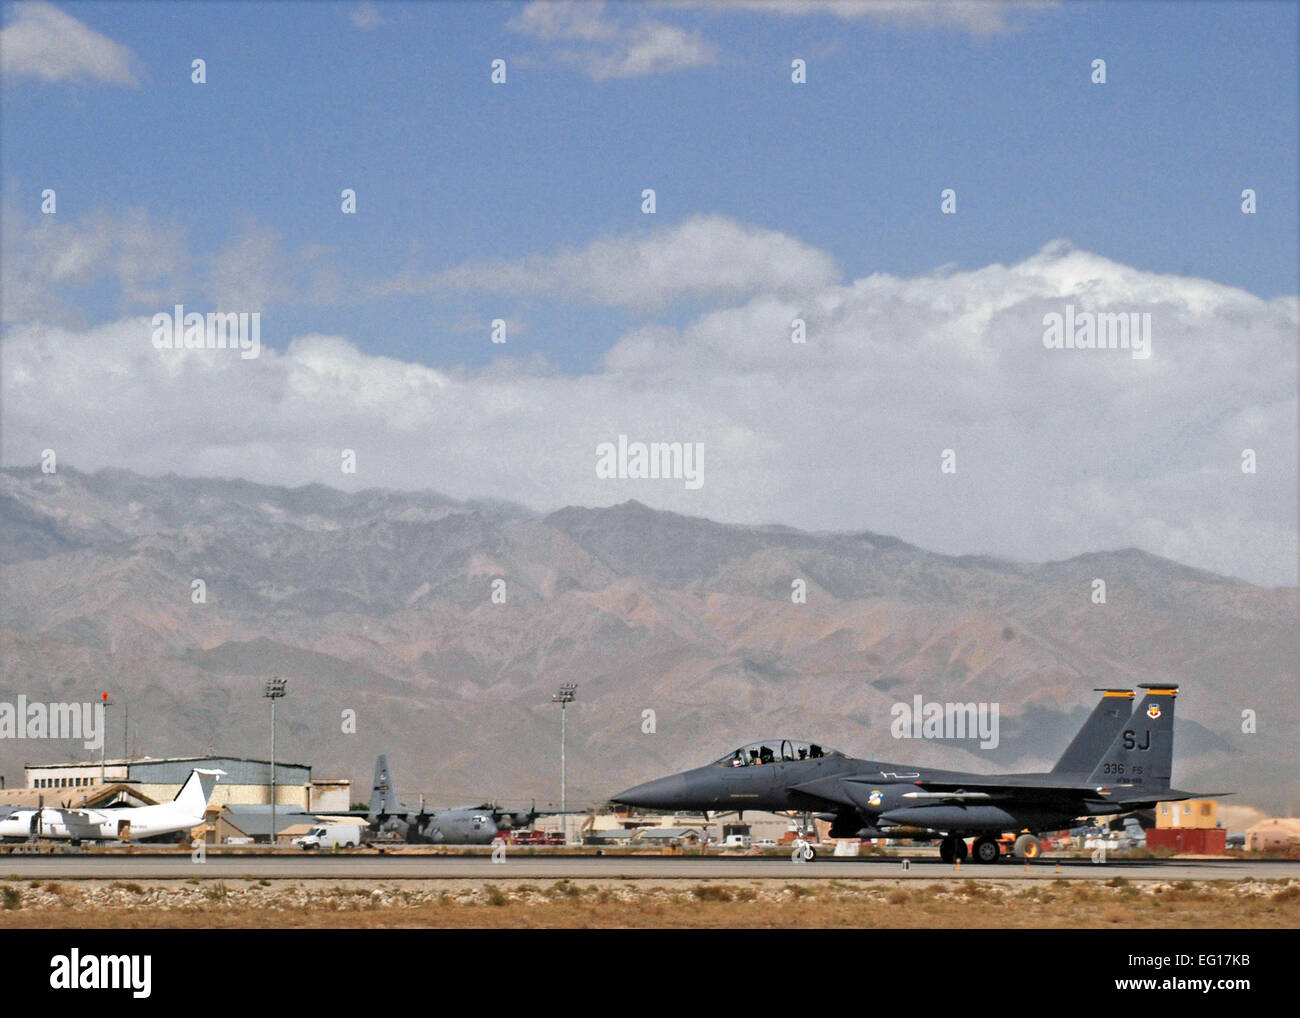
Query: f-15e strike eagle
(1117, 763)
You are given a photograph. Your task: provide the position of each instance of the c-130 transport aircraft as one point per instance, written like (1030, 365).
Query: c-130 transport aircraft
(1117, 763)
(459, 825)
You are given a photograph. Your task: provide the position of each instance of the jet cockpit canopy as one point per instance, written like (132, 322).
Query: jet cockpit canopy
(767, 751)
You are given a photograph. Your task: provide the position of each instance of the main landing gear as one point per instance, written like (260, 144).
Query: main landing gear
(952, 849)
(987, 849)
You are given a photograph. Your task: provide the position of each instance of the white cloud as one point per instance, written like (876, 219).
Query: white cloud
(1058, 451)
(366, 16)
(565, 19)
(705, 257)
(47, 256)
(979, 17)
(249, 272)
(604, 46)
(43, 42)
(652, 47)
(47, 259)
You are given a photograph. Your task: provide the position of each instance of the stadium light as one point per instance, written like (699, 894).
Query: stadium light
(274, 690)
(564, 697)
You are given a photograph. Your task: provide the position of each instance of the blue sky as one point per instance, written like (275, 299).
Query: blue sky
(1200, 102)
(776, 201)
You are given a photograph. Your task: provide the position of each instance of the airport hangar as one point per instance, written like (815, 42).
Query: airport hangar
(158, 780)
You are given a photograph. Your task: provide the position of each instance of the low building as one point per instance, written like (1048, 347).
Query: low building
(245, 780)
(1189, 840)
(330, 795)
(618, 837)
(1197, 814)
(87, 797)
(254, 821)
(1277, 834)
(672, 835)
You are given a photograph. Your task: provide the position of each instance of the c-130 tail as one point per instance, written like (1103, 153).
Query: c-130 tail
(383, 798)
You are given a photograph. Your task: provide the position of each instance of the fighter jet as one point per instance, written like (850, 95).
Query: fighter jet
(1116, 764)
(460, 825)
(126, 824)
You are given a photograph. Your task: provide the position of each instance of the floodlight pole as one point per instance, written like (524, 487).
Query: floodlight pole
(103, 736)
(564, 697)
(274, 690)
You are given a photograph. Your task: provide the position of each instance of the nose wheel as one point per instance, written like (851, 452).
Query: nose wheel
(952, 849)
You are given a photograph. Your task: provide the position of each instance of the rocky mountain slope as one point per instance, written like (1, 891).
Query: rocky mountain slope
(381, 602)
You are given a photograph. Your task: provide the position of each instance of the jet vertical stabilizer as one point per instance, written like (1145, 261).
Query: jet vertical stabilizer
(1098, 732)
(1142, 755)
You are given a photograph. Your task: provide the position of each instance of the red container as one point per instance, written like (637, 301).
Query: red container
(1189, 840)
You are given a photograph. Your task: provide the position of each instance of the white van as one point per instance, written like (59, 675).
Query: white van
(340, 835)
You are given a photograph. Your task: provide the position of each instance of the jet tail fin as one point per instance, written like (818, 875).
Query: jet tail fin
(197, 791)
(383, 799)
(1097, 733)
(1142, 755)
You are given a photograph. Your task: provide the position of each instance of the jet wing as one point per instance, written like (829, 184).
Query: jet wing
(1033, 789)
(822, 793)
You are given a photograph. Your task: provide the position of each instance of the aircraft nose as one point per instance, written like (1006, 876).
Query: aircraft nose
(662, 793)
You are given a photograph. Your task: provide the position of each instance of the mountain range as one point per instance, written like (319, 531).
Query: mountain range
(446, 626)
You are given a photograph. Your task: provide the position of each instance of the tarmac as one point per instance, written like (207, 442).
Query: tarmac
(304, 866)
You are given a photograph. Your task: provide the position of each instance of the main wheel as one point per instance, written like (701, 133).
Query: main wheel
(946, 849)
(987, 850)
(1028, 847)
(960, 849)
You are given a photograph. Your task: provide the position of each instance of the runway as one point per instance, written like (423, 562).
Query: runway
(588, 867)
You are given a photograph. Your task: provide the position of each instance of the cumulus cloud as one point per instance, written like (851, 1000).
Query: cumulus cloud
(1058, 451)
(604, 46)
(42, 42)
(978, 17)
(706, 257)
(366, 16)
(47, 258)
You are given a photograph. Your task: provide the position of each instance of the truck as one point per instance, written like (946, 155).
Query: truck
(330, 836)
(736, 836)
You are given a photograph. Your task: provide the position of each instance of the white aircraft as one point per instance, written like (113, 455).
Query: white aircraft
(125, 824)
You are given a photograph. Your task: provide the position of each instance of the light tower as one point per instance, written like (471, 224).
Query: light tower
(103, 735)
(564, 697)
(274, 690)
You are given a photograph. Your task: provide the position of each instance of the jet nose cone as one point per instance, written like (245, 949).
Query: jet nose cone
(663, 793)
